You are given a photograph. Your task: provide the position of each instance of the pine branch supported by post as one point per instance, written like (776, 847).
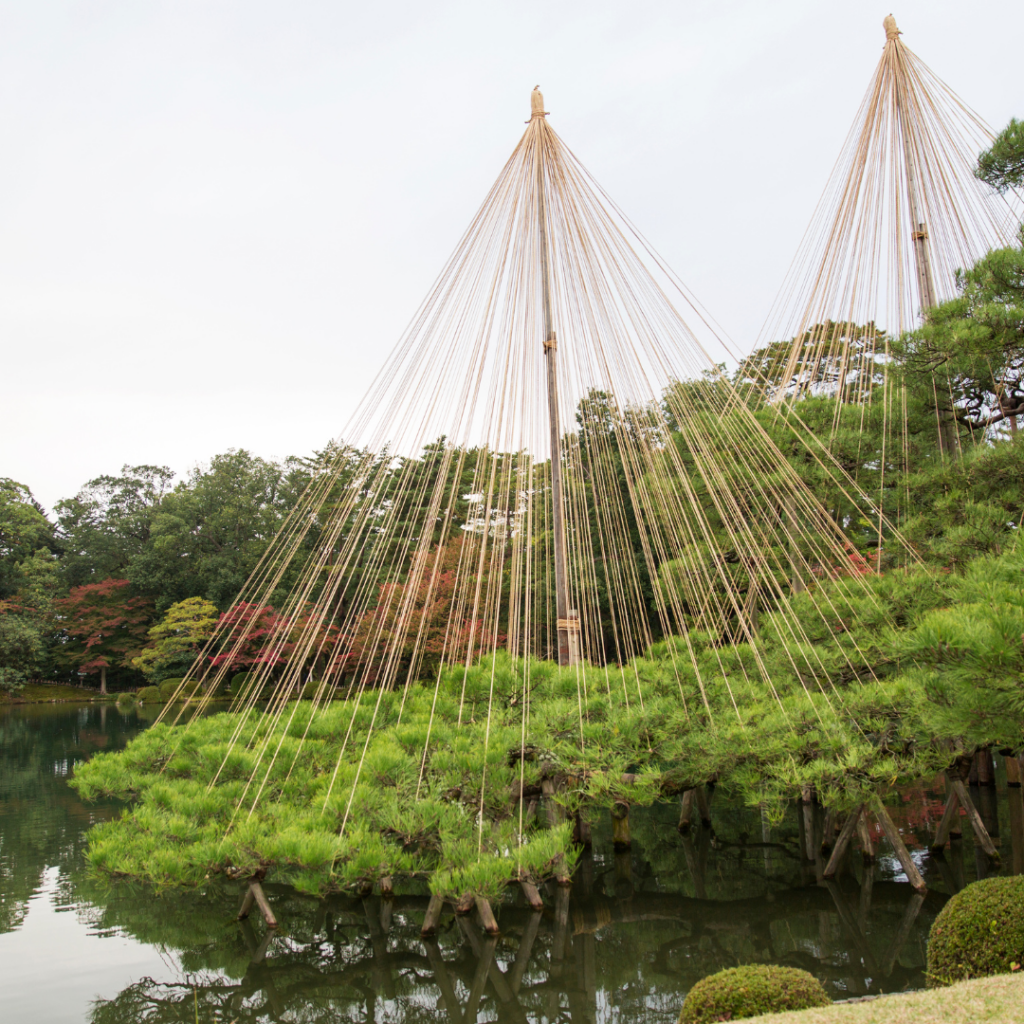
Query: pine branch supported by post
(845, 835)
(984, 839)
(949, 815)
(892, 833)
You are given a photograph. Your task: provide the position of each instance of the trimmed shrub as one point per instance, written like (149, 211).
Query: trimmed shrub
(242, 683)
(125, 697)
(979, 932)
(220, 689)
(310, 689)
(168, 687)
(751, 991)
(150, 695)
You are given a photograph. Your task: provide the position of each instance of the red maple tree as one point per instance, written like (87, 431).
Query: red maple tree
(103, 626)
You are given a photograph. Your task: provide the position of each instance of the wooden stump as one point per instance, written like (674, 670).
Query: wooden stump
(432, 917)
(487, 918)
(532, 894)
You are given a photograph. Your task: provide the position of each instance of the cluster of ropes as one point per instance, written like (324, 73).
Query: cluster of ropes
(551, 464)
(902, 212)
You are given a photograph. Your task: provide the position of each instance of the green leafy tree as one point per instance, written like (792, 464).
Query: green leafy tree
(24, 529)
(176, 641)
(208, 534)
(107, 524)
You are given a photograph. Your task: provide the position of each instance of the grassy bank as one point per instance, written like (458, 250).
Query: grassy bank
(47, 693)
(998, 1000)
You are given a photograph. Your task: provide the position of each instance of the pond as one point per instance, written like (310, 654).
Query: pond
(625, 943)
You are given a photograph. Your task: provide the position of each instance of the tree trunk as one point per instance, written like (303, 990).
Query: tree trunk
(103, 679)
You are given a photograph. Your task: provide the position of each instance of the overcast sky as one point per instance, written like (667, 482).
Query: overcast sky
(216, 217)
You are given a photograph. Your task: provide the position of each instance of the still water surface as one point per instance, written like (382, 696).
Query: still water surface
(624, 945)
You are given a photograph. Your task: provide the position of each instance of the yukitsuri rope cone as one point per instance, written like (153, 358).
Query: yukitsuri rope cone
(901, 213)
(554, 566)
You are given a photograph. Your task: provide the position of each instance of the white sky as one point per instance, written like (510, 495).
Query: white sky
(216, 217)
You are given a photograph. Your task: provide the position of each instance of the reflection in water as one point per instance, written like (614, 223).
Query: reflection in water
(626, 942)
(585, 958)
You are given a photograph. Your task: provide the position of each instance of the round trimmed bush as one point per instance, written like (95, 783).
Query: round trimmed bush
(751, 991)
(125, 697)
(309, 690)
(979, 932)
(169, 687)
(150, 695)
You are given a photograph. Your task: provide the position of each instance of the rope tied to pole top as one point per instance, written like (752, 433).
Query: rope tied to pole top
(891, 31)
(537, 104)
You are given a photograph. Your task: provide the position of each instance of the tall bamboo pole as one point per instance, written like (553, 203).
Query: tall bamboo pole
(551, 358)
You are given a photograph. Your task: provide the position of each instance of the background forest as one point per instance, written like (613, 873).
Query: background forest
(126, 580)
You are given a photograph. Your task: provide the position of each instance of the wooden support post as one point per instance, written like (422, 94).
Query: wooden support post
(902, 934)
(845, 835)
(620, 825)
(892, 833)
(949, 815)
(701, 797)
(247, 901)
(487, 919)
(986, 773)
(522, 960)
(261, 901)
(807, 798)
(387, 886)
(383, 980)
(867, 844)
(984, 839)
(483, 969)
(695, 868)
(532, 894)
(432, 916)
(828, 831)
(581, 831)
(686, 811)
(1012, 763)
(261, 953)
(554, 812)
(437, 965)
(561, 924)
(500, 983)
(850, 923)
(867, 884)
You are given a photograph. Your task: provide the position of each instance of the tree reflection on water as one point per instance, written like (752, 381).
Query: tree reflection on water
(625, 943)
